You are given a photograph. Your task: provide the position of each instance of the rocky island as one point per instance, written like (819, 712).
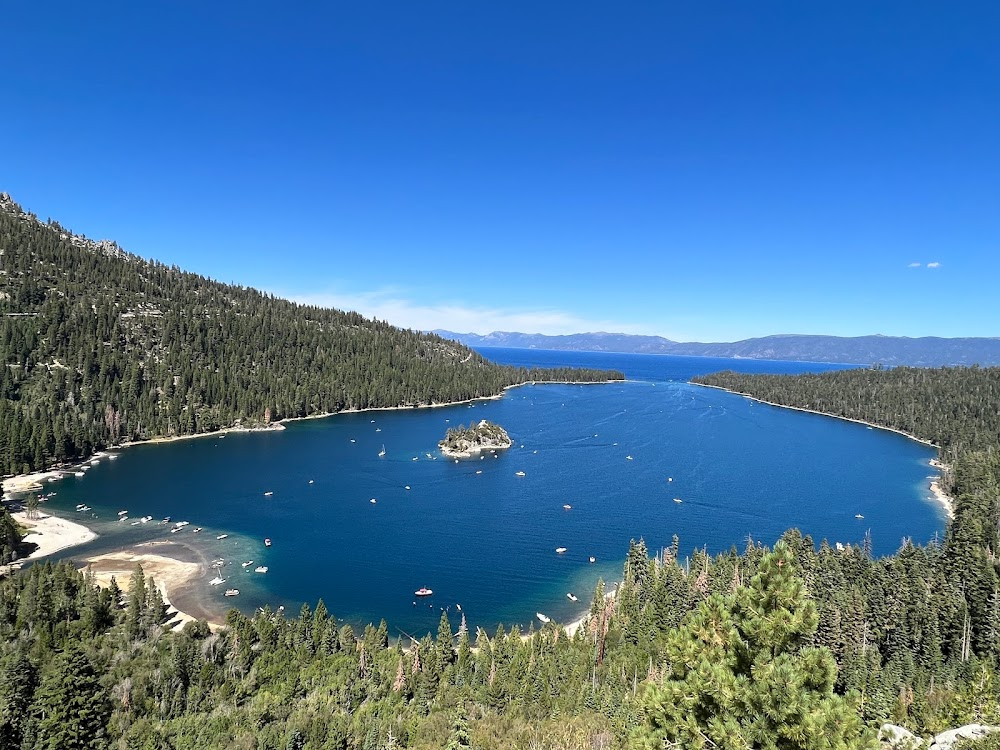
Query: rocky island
(464, 442)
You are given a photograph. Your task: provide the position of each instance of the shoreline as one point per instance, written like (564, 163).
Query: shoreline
(52, 533)
(939, 495)
(33, 481)
(173, 574)
(56, 533)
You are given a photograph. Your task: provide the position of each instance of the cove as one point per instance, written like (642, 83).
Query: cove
(483, 537)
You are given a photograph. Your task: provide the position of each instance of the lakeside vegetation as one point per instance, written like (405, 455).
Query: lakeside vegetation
(806, 644)
(100, 347)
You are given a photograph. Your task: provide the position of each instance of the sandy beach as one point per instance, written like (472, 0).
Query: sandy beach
(938, 492)
(172, 574)
(52, 533)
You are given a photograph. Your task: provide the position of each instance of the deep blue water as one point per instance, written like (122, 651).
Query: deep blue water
(485, 538)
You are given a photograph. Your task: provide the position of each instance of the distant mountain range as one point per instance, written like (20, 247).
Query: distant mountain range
(928, 351)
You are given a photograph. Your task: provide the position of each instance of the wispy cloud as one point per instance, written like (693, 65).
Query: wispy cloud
(935, 264)
(914, 265)
(393, 306)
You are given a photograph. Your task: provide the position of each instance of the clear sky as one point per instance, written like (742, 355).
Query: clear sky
(698, 170)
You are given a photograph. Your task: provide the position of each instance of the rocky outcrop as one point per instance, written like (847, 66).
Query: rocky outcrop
(893, 737)
(899, 738)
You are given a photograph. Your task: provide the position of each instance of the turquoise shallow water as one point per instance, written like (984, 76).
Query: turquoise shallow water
(484, 538)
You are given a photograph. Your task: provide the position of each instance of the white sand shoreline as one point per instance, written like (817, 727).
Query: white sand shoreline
(167, 572)
(52, 533)
(939, 495)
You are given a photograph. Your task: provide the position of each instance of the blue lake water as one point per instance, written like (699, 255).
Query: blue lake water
(485, 538)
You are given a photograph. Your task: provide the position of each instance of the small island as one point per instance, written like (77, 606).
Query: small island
(465, 442)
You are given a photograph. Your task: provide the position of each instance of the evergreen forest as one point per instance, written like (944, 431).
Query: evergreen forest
(804, 645)
(797, 645)
(99, 347)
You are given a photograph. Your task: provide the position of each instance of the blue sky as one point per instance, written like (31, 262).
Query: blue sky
(702, 171)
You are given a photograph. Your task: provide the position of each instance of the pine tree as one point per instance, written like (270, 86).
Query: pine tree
(741, 674)
(70, 707)
(459, 739)
(18, 680)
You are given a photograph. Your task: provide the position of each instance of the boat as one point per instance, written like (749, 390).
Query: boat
(542, 617)
(311, 481)
(260, 569)
(232, 592)
(247, 564)
(79, 506)
(373, 501)
(560, 550)
(122, 518)
(519, 474)
(381, 453)
(267, 542)
(135, 523)
(222, 536)
(113, 456)
(196, 529)
(423, 591)
(571, 597)
(268, 494)
(85, 508)
(378, 429)
(182, 524)
(353, 440)
(216, 581)
(406, 487)
(480, 471)
(123, 513)
(678, 500)
(593, 559)
(670, 479)
(567, 507)
(858, 515)
(628, 458)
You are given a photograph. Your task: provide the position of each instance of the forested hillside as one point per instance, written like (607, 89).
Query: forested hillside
(98, 346)
(942, 611)
(808, 646)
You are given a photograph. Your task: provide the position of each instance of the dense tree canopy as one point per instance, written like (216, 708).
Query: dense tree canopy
(806, 646)
(98, 347)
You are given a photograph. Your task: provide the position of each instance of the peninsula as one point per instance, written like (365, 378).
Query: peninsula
(465, 442)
